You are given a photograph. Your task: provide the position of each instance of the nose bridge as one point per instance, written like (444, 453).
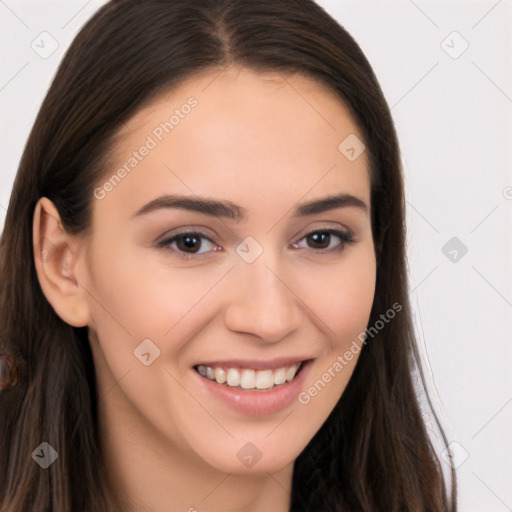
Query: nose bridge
(261, 303)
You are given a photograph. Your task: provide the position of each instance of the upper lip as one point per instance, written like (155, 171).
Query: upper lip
(256, 364)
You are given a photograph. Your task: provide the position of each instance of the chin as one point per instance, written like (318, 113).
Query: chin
(245, 457)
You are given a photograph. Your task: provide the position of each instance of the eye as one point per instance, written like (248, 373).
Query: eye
(189, 243)
(193, 244)
(325, 240)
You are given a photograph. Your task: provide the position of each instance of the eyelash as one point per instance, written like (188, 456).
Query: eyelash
(345, 237)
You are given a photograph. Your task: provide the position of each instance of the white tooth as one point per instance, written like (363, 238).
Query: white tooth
(290, 372)
(202, 370)
(264, 379)
(280, 376)
(248, 379)
(233, 378)
(220, 375)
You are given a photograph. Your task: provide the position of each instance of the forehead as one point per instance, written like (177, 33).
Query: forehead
(223, 131)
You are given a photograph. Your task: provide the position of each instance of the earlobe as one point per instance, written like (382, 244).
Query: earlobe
(56, 254)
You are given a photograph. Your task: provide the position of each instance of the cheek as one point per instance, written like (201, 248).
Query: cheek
(342, 295)
(146, 293)
(343, 306)
(348, 307)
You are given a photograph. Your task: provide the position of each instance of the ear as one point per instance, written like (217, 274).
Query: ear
(56, 254)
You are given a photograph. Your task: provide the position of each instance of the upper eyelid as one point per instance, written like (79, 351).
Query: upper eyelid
(328, 225)
(186, 231)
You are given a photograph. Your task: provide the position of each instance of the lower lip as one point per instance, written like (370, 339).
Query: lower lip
(257, 403)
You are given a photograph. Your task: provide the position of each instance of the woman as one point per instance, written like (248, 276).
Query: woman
(203, 282)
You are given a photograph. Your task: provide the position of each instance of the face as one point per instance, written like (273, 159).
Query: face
(223, 289)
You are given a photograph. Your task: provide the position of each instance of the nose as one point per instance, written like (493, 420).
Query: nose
(262, 304)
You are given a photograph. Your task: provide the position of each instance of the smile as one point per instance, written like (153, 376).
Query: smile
(250, 379)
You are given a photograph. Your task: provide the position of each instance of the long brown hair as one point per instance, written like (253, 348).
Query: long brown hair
(373, 453)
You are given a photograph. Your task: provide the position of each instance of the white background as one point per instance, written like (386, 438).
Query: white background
(453, 117)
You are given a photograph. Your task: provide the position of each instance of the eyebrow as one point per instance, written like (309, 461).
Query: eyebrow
(229, 210)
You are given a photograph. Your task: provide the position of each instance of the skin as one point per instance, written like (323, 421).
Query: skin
(266, 142)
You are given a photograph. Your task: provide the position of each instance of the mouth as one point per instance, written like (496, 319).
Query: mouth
(253, 387)
(250, 379)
